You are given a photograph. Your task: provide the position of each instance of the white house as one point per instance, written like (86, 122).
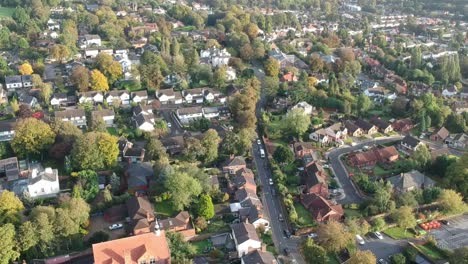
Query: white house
(53, 25)
(188, 114)
(121, 96)
(139, 96)
(380, 92)
(74, 116)
(193, 95)
(210, 94)
(92, 40)
(144, 117)
(334, 133)
(450, 91)
(210, 112)
(215, 57)
(246, 238)
(16, 82)
(7, 130)
(304, 106)
(43, 183)
(26, 99)
(165, 96)
(105, 115)
(231, 73)
(91, 97)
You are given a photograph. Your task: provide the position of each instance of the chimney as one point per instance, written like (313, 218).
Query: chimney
(157, 231)
(127, 257)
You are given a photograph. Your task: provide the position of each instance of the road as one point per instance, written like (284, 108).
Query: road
(383, 248)
(338, 168)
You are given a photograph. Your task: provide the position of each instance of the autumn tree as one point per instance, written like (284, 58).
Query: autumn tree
(10, 207)
(46, 92)
(246, 52)
(333, 237)
(9, 252)
(313, 253)
(205, 207)
(109, 67)
(456, 176)
(80, 78)
(95, 150)
(296, 122)
(25, 69)
(404, 217)
(31, 137)
(27, 236)
(98, 81)
(362, 257)
(452, 202)
(272, 67)
(155, 149)
(60, 52)
(210, 143)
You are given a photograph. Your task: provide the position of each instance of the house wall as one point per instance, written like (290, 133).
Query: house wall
(248, 246)
(44, 188)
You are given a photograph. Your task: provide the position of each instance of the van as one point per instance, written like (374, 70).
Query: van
(360, 240)
(262, 153)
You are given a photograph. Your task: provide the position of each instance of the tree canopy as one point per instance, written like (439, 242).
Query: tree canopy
(32, 136)
(95, 150)
(333, 237)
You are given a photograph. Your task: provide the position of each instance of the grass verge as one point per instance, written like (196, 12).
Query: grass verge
(398, 233)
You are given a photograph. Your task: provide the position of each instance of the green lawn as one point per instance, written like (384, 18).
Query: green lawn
(352, 213)
(6, 12)
(304, 217)
(266, 238)
(217, 226)
(432, 251)
(398, 233)
(200, 246)
(185, 29)
(164, 209)
(379, 171)
(112, 131)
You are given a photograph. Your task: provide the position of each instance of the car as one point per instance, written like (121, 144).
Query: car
(280, 218)
(360, 240)
(270, 181)
(286, 251)
(378, 235)
(287, 234)
(169, 125)
(445, 222)
(382, 261)
(115, 226)
(326, 166)
(312, 235)
(273, 192)
(259, 142)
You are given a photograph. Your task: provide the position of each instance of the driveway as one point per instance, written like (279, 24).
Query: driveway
(454, 235)
(97, 223)
(339, 169)
(383, 248)
(169, 116)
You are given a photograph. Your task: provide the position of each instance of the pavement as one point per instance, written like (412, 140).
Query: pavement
(383, 248)
(454, 235)
(351, 195)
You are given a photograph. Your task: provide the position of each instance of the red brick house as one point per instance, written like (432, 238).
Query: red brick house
(322, 210)
(141, 215)
(315, 179)
(180, 223)
(370, 158)
(234, 164)
(403, 125)
(302, 149)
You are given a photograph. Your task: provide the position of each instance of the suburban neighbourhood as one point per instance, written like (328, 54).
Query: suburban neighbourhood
(214, 131)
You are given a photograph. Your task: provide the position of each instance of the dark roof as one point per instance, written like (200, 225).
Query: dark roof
(364, 125)
(313, 174)
(143, 93)
(142, 108)
(259, 257)
(139, 207)
(47, 175)
(243, 194)
(7, 125)
(138, 173)
(13, 79)
(410, 179)
(244, 231)
(381, 124)
(69, 113)
(236, 161)
(351, 126)
(410, 141)
(60, 96)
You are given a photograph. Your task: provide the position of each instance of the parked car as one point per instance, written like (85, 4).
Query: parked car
(360, 240)
(287, 234)
(445, 222)
(378, 235)
(115, 226)
(270, 181)
(280, 218)
(273, 192)
(169, 125)
(259, 142)
(382, 261)
(312, 235)
(286, 251)
(326, 166)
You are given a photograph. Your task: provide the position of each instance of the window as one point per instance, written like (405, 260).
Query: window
(152, 261)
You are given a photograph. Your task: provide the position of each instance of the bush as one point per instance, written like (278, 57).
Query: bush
(200, 223)
(398, 259)
(98, 237)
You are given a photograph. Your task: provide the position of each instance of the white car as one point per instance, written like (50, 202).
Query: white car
(270, 181)
(169, 125)
(360, 240)
(378, 235)
(312, 235)
(115, 226)
(259, 142)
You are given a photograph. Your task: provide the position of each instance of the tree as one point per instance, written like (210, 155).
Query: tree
(46, 92)
(401, 259)
(14, 105)
(378, 224)
(183, 188)
(283, 155)
(205, 207)
(10, 207)
(362, 257)
(109, 67)
(31, 137)
(210, 143)
(80, 78)
(316, 63)
(24, 111)
(363, 104)
(358, 227)
(219, 76)
(416, 58)
(404, 217)
(421, 156)
(271, 86)
(60, 52)
(455, 123)
(272, 67)
(296, 122)
(333, 237)
(313, 253)
(459, 255)
(25, 69)
(151, 76)
(27, 237)
(9, 252)
(95, 150)
(179, 247)
(452, 202)
(88, 184)
(98, 81)
(456, 176)
(382, 197)
(246, 52)
(155, 149)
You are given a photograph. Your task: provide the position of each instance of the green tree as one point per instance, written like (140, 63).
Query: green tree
(109, 67)
(220, 77)
(180, 249)
(416, 58)
(210, 143)
(421, 156)
(89, 184)
(32, 136)
(452, 202)
(183, 188)
(459, 255)
(456, 176)
(283, 155)
(272, 67)
(271, 86)
(362, 257)
(378, 224)
(10, 207)
(27, 236)
(363, 104)
(296, 122)
(95, 150)
(205, 207)
(155, 149)
(313, 253)
(404, 217)
(333, 237)
(382, 197)
(400, 259)
(9, 252)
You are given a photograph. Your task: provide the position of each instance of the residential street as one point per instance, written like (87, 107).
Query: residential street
(338, 168)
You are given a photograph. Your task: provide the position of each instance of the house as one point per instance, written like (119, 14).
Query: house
(322, 210)
(215, 57)
(59, 99)
(403, 125)
(75, 116)
(440, 135)
(195, 95)
(43, 183)
(259, 257)
(409, 144)
(371, 157)
(210, 94)
(16, 82)
(138, 175)
(118, 96)
(107, 116)
(168, 96)
(7, 130)
(129, 153)
(188, 114)
(366, 127)
(254, 215)
(91, 97)
(382, 126)
(234, 164)
(458, 141)
(246, 238)
(315, 179)
(145, 248)
(210, 112)
(302, 149)
(304, 106)
(91, 40)
(26, 99)
(180, 223)
(460, 107)
(450, 91)
(144, 118)
(464, 93)
(231, 73)
(288, 77)
(173, 145)
(244, 178)
(380, 92)
(246, 197)
(406, 182)
(140, 212)
(9, 167)
(353, 130)
(140, 97)
(286, 60)
(335, 133)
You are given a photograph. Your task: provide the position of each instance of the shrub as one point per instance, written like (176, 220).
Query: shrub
(98, 237)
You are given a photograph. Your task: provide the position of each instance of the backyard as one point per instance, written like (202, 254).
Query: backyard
(216, 226)
(303, 216)
(202, 246)
(164, 209)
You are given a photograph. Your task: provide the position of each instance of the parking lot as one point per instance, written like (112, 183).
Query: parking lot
(382, 248)
(454, 235)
